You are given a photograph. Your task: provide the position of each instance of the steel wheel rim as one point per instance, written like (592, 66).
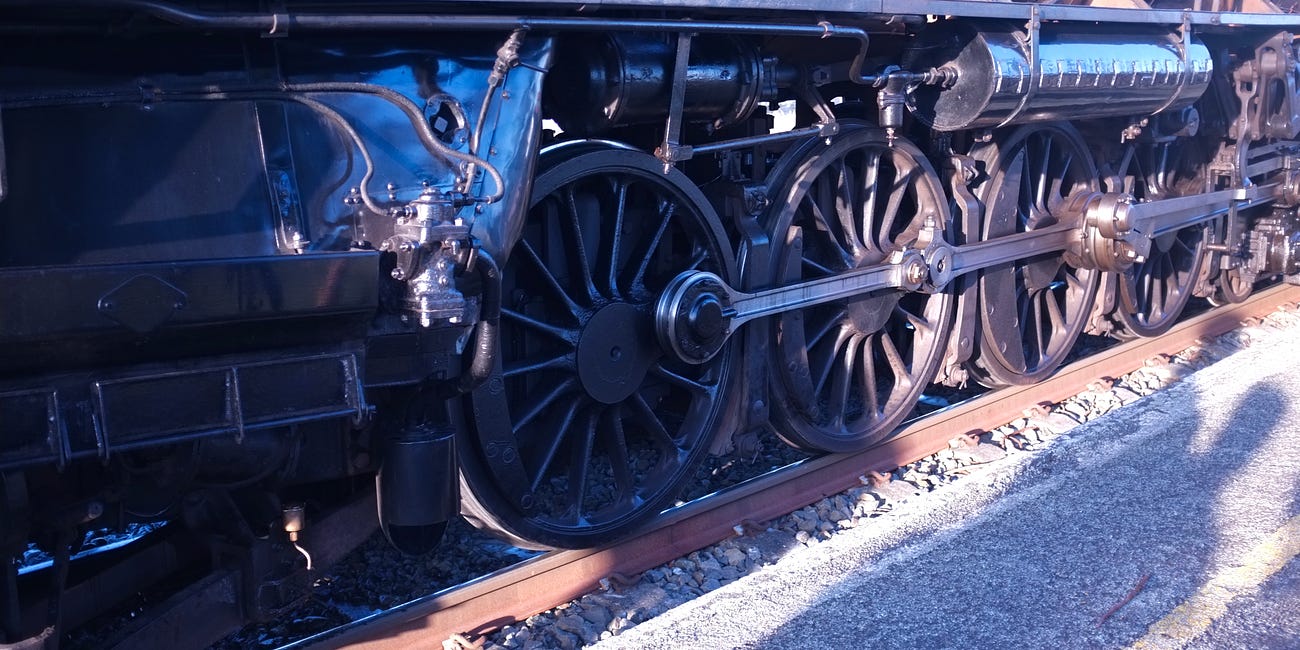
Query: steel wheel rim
(1032, 310)
(826, 356)
(637, 443)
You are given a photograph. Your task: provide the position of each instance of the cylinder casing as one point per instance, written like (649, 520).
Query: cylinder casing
(626, 79)
(1075, 73)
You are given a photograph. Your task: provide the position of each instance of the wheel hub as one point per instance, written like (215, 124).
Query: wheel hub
(692, 316)
(613, 352)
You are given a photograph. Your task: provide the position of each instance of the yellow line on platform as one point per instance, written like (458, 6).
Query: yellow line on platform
(1198, 613)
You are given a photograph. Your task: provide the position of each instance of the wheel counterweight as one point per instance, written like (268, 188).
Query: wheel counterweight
(588, 428)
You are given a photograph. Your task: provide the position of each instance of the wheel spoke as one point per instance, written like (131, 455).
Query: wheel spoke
(919, 323)
(549, 278)
(651, 422)
(543, 401)
(580, 463)
(696, 260)
(821, 270)
(1029, 209)
(558, 433)
(690, 385)
(1054, 314)
(1024, 301)
(846, 256)
(870, 178)
(1072, 281)
(616, 238)
(619, 459)
(902, 374)
(841, 381)
(1038, 300)
(666, 211)
(896, 196)
(1040, 199)
(557, 333)
(869, 388)
(558, 362)
(1058, 192)
(835, 319)
(823, 363)
(844, 206)
(578, 254)
(1157, 296)
(1148, 289)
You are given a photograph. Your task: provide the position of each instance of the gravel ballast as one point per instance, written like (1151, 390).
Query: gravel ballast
(893, 519)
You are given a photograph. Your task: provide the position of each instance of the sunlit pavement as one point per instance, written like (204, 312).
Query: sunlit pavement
(1171, 523)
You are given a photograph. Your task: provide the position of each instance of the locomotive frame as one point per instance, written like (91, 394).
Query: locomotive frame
(597, 257)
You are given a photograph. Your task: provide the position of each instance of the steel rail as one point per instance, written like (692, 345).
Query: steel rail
(512, 594)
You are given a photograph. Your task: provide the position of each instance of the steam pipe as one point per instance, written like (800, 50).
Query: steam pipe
(284, 23)
(483, 357)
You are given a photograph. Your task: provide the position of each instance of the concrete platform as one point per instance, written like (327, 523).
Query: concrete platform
(1186, 501)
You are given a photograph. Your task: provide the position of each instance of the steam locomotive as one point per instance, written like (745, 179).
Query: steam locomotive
(531, 261)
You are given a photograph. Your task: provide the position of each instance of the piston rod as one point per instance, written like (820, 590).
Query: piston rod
(1163, 217)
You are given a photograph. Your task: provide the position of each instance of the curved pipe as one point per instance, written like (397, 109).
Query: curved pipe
(284, 92)
(485, 332)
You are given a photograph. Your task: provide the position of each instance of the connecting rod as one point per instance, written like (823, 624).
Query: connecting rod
(698, 311)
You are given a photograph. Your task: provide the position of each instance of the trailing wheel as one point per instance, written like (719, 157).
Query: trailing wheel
(1151, 294)
(847, 372)
(1233, 285)
(587, 429)
(1031, 311)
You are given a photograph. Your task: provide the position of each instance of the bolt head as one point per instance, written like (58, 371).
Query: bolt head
(916, 271)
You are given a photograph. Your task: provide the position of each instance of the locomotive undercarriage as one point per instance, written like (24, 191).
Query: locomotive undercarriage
(236, 320)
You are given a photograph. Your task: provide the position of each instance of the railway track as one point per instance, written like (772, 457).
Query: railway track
(475, 608)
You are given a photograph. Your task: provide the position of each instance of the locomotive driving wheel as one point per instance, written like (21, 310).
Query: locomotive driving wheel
(847, 372)
(587, 428)
(1151, 294)
(1031, 311)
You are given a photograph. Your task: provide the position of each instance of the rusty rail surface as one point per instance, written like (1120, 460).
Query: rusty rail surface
(514, 593)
